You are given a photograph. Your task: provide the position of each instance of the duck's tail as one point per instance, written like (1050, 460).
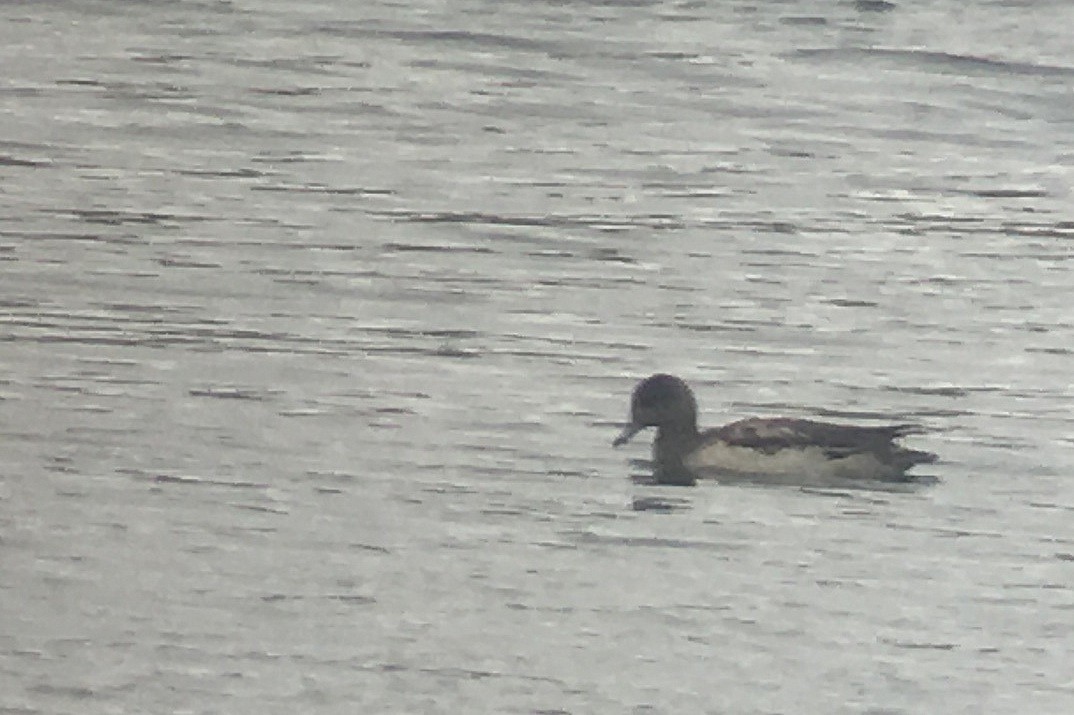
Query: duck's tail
(917, 456)
(906, 429)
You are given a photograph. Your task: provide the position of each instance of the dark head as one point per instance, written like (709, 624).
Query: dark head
(662, 401)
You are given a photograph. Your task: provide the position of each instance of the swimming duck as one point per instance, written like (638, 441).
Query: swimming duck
(782, 448)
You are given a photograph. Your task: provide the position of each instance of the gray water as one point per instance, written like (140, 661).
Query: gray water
(317, 320)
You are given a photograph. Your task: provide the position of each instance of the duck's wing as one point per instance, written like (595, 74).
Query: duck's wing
(770, 435)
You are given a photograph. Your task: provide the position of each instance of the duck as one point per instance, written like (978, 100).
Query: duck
(780, 449)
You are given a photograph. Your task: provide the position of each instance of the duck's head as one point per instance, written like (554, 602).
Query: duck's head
(662, 401)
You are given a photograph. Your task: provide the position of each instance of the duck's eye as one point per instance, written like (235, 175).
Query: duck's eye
(650, 402)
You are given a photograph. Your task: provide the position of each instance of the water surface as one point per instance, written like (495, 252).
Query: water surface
(317, 321)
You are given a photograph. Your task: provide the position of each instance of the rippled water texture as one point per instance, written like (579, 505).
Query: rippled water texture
(317, 320)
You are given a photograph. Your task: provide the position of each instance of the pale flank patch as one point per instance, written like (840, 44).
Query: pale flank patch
(718, 458)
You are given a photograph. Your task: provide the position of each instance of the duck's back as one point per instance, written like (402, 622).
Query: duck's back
(795, 447)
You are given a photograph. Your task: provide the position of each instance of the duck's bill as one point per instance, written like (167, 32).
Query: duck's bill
(628, 432)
